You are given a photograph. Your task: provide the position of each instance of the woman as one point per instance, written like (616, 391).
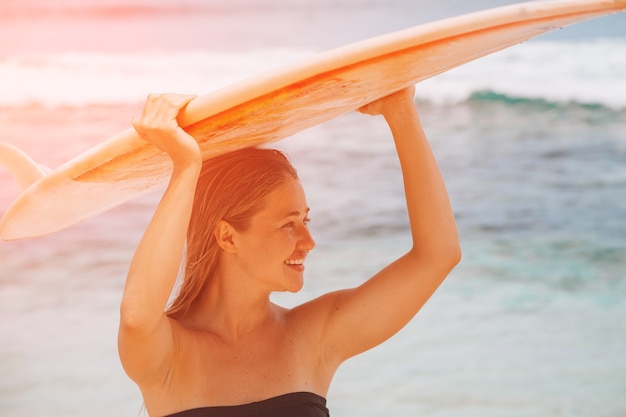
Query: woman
(223, 348)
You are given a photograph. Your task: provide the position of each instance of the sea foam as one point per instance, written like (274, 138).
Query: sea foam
(586, 72)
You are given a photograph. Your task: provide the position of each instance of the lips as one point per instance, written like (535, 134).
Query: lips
(296, 264)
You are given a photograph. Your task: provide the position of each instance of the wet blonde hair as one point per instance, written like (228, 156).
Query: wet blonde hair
(232, 187)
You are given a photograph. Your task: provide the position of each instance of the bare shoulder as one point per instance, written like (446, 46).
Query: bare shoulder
(314, 315)
(315, 310)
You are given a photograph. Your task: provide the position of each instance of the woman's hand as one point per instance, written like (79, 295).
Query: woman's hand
(391, 103)
(158, 126)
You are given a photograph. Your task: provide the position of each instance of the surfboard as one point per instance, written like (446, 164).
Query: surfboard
(274, 106)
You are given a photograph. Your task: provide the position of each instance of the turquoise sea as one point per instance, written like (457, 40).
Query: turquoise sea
(531, 141)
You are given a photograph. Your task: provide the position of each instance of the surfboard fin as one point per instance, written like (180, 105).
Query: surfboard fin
(22, 168)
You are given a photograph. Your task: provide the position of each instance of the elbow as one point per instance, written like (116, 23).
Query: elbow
(447, 258)
(451, 253)
(443, 258)
(134, 320)
(130, 321)
(454, 255)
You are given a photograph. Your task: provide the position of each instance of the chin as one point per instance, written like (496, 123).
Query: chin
(294, 286)
(296, 289)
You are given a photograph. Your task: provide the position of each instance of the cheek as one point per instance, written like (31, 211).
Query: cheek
(268, 246)
(278, 245)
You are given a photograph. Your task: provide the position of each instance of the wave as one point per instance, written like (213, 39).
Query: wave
(538, 104)
(548, 73)
(589, 73)
(75, 79)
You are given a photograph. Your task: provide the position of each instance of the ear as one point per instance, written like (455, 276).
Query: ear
(224, 234)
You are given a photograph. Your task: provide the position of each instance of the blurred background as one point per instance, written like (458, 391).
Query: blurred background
(531, 141)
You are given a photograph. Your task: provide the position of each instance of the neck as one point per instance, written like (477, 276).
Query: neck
(231, 309)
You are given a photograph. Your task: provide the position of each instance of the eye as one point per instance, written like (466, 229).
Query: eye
(292, 224)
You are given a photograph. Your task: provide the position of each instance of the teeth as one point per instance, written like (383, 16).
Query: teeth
(294, 261)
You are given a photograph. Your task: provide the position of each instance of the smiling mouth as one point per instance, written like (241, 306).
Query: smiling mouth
(292, 262)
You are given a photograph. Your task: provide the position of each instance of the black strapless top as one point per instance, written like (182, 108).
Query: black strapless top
(297, 404)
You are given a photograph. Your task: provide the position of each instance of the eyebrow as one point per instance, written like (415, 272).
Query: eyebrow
(297, 213)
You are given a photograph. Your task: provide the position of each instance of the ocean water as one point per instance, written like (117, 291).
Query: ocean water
(531, 142)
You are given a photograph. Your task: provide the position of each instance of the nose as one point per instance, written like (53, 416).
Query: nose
(306, 241)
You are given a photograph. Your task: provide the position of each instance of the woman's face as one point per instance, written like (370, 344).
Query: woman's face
(274, 247)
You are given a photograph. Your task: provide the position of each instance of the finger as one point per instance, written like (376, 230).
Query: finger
(151, 104)
(169, 106)
(184, 99)
(178, 101)
(161, 112)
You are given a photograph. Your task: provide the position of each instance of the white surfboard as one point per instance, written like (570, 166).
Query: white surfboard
(276, 105)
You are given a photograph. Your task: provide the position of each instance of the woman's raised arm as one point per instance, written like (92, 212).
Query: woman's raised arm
(146, 337)
(361, 318)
